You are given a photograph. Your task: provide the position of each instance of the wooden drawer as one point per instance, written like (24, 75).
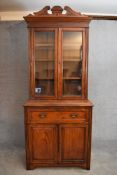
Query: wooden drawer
(57, 117)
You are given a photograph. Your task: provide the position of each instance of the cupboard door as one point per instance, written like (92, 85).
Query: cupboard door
(74, 140)
(45, 62)
(73, 63)
(43, 143)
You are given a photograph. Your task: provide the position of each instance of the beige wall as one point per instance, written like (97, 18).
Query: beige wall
(14, 80)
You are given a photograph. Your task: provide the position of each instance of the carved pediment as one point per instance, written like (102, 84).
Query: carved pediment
(56, 11)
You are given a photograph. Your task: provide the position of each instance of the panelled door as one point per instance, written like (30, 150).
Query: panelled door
(43, 143)
(74, 141)
(64, 143)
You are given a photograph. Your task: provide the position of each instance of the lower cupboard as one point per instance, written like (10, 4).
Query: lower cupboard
(57, 144)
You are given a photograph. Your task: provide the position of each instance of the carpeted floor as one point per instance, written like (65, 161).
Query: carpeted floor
(104, 162)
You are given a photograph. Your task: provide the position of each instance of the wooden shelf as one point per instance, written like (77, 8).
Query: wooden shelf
(72, 46)
(64, 78)
(44, 44)
(76, 59)
(65, 60)
(44, 78)
(44, 60)
(72, 78)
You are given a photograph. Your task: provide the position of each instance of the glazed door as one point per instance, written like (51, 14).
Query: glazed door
(73, 63)
(74, 141)
(43, 143)
(45, 63)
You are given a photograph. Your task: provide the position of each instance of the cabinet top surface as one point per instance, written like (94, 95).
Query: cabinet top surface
(58, 103)
(57, 14)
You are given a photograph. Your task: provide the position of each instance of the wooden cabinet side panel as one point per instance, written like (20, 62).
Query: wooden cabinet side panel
(89, 139)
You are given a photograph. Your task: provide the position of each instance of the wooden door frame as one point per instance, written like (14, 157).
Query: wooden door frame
(32, 63)
(84, 63)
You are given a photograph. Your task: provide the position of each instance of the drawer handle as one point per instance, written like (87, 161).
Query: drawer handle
(42, 115)
(74, 115)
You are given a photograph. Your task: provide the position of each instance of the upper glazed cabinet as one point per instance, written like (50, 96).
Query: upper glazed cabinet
(58, 57)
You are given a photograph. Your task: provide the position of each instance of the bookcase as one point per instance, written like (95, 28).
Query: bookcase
(58, 114)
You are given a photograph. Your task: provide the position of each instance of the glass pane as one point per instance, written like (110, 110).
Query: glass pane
(72, 63)
(44, 63)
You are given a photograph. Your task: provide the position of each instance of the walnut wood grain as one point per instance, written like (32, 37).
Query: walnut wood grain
(58, 103)
(58, 128)
(37, 116)
(43, 149)
(55, 11)
(56, 15)
(74, 150)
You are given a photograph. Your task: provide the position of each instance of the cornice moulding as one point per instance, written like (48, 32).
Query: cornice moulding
(18, 15)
